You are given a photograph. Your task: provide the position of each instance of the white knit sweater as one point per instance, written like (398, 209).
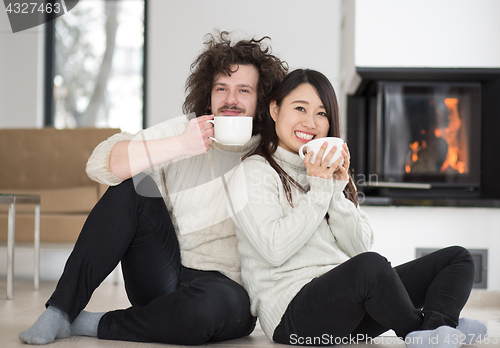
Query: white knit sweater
(282, 247)
(194, 192)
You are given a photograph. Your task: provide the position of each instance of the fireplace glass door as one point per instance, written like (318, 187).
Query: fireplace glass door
(428, 133)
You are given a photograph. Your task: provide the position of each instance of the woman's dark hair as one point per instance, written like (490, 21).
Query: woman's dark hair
(219, 57)
(269, 141)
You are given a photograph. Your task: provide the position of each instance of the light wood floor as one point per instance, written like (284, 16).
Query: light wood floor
(18, 314)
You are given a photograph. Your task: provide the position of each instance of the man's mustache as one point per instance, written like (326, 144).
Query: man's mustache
(230, 108)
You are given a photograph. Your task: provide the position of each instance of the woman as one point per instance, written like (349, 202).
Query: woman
(303, 242)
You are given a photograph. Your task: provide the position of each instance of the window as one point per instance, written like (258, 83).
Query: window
(95, 66)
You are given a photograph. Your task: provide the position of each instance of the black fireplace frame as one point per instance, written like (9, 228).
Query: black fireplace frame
(363, 101)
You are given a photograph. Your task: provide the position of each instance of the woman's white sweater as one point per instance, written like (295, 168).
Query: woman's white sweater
(283, 248)
(194, 191)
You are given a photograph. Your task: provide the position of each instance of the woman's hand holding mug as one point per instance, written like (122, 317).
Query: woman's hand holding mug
(327, 163)
(320, 168)
(342, 172)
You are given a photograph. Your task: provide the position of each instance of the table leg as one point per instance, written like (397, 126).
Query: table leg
(10, 250)
(36, 276)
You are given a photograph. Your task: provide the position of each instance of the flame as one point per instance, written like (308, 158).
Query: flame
(414, 156)
(455, 156)
(414, 148)
(450, 134)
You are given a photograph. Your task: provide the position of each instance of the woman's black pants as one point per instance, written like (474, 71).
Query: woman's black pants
(170, 303)
(365, 296)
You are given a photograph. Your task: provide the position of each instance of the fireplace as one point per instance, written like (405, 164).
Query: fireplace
(426, 136)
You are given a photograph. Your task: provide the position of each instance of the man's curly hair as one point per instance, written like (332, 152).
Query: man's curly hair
(220, 54)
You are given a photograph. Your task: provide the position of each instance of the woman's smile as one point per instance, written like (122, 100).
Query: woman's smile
(304, 136)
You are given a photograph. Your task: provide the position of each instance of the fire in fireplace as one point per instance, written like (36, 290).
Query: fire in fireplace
(429, 132)
(424, 133)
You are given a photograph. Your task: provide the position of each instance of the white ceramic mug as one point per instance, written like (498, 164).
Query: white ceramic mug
(315, 145)
(232, 130)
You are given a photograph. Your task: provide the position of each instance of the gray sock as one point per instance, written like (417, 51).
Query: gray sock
(442, 337)
(86, 324)
(474, 330)
(51, 324)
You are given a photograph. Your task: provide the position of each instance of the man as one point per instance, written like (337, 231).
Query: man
(151, 228)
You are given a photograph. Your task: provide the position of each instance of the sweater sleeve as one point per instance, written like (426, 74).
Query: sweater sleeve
(349, 224)
(98, 163)
(264, 217)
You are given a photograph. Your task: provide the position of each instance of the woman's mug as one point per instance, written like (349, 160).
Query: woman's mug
(232, 130)
(315, 145)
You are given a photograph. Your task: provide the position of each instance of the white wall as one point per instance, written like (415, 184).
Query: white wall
(418, 34)
(305, 34)
(349, 79)
(428, 33)
(20, 76)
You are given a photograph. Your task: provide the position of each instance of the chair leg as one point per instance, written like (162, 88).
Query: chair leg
(36, 275)
(11, 236)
